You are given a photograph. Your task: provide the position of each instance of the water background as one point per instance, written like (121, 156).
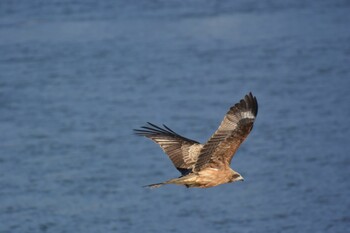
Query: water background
(77, 76)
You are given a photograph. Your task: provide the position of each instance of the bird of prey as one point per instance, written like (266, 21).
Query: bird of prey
(206, 165)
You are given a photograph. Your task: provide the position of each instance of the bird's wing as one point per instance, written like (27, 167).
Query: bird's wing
(235, 127)
(182, 151)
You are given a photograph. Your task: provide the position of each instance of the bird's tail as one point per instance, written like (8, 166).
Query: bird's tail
(157, 185)
(187, 180)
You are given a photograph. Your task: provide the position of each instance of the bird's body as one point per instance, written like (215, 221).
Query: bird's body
(206, 178)
(206, 165)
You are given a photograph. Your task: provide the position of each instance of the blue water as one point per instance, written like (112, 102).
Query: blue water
(77, 76)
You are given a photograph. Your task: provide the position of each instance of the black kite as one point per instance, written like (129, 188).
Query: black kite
(206, 165)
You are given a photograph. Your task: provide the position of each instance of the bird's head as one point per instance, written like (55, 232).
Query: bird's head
(236, 177)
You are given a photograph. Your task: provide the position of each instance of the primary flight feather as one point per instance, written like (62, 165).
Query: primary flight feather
(206, 165)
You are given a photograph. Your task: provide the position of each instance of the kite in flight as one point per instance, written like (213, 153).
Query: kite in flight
(206, 165)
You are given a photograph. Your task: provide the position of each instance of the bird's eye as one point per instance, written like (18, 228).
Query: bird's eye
(235, 176)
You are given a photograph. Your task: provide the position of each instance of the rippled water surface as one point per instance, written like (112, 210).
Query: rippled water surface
(77, 76)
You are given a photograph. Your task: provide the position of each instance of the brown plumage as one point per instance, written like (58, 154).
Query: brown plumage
(206, 165)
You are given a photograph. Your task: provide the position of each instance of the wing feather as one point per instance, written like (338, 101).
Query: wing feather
(235, 127)
(181, 151)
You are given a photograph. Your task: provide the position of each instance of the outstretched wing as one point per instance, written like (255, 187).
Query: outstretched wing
(237, 124)
(182, 151)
